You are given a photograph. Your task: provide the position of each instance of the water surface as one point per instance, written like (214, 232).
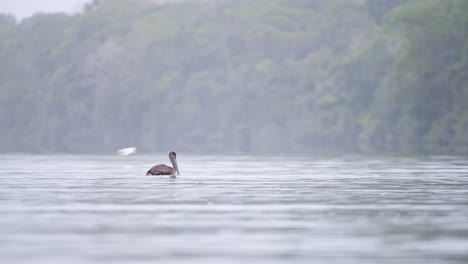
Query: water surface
(98, 209)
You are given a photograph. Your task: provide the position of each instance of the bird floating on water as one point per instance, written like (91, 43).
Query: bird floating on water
(163, 169)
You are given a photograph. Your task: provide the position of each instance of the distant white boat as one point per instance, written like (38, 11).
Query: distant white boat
(126, 151)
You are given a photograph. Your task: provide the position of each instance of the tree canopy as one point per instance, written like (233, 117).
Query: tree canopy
(254, 77)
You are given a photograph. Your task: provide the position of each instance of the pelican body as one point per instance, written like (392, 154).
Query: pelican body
(163, 169)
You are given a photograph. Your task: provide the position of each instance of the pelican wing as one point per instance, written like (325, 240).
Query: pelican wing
(160, 169)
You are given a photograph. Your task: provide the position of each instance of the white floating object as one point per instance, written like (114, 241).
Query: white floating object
(126, 151)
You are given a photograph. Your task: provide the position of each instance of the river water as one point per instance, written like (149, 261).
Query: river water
(103, 209)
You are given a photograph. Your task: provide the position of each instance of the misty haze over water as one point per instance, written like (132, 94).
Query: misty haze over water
(267, 104)
(249, 77)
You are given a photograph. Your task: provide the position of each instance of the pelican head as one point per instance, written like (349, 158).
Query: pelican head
(173, 159)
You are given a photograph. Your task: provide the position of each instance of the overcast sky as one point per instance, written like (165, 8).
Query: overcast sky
(25, 8)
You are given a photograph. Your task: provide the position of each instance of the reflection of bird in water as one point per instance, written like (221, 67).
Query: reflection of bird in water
(162, 169)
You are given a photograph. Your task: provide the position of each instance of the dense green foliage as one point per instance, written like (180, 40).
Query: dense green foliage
(275, 76)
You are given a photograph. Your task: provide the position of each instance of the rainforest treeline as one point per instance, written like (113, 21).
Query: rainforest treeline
(240, 76)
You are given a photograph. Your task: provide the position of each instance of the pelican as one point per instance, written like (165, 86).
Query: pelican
(163, 169)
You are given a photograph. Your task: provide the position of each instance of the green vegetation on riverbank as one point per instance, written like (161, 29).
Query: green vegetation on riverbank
(252, 77)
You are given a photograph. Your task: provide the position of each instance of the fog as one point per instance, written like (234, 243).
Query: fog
(26, 8)
(236, 77)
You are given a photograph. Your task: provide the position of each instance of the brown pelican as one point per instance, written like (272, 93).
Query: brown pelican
(162, 169)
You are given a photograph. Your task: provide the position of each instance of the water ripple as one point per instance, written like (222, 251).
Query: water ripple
(93, 209)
